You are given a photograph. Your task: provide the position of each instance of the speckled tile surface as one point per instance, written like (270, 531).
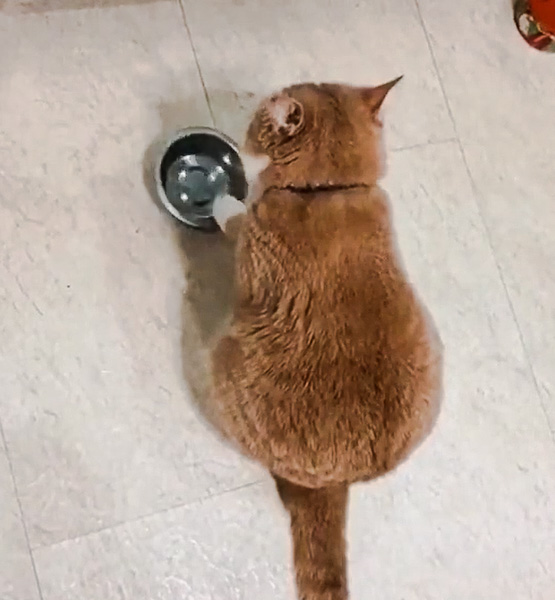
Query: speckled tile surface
(17, 578)
(233, 547)
(502, 97)
(94, 406)
(107, 309)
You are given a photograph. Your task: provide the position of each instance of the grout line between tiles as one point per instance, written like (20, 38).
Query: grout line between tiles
(477, 196)
(425, 144)
(199, 70)
(156, 513)
(20, 508)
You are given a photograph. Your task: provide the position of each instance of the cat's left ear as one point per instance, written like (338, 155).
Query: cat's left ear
(375, 96)
(286, 113)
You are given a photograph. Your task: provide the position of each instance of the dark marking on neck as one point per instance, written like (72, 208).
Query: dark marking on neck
(322, 187)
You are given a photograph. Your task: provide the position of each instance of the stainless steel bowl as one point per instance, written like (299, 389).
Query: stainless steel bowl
(197, 165)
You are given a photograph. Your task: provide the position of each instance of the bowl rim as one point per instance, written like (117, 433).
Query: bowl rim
(174, 137)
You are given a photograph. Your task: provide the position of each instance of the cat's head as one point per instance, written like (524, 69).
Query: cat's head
(311, 135)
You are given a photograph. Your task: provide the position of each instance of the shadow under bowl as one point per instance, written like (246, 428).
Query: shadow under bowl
(199, 164)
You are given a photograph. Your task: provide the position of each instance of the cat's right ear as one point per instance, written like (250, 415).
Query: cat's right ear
(375, 96)
(286, 114)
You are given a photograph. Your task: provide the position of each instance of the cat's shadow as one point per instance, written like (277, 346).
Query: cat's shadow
(208, 261)
(208, 264)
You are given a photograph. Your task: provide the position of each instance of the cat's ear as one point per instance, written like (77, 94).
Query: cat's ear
(286, 114)
(375, 96)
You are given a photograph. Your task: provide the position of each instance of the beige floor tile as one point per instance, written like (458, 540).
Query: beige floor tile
(248, 48)
(94, 402)
(17, 578)
(233, 547)
(502, 96)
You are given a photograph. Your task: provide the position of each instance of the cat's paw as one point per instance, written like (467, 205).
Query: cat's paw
(225, 208)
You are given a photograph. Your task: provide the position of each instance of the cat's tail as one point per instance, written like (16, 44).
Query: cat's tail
(318, 531)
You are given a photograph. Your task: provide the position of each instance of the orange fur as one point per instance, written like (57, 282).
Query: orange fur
(330, 373)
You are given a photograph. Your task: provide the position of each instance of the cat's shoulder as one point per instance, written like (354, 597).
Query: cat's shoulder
(276, 204)
(289, 210)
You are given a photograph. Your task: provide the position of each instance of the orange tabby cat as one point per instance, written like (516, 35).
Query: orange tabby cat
(330, 373)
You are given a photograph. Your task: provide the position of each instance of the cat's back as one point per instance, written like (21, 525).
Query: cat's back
(334, 248)
(322, 294)
(319, 216)
(331, 332)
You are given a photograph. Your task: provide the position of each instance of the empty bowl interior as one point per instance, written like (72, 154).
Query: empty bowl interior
(213, 146)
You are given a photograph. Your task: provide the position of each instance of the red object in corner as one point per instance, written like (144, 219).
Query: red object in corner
(543, 12)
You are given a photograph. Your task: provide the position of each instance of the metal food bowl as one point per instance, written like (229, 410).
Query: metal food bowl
(198, 165)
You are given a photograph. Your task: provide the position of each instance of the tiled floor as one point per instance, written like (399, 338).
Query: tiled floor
(111, 486)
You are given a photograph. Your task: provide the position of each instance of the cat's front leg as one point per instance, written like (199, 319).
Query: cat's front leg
(229, 214)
